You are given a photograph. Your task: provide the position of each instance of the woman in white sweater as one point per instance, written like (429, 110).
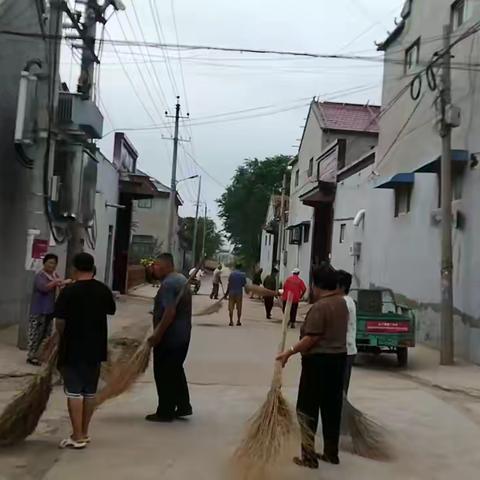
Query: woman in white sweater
(344, 284)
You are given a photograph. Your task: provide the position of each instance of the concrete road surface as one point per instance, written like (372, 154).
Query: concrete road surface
(436, 434)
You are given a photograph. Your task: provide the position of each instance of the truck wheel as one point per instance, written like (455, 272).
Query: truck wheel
(402, 356)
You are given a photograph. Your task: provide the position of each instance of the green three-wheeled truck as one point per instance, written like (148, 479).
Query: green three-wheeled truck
(383, 326)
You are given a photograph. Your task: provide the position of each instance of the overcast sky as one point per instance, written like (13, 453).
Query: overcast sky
(218, 83)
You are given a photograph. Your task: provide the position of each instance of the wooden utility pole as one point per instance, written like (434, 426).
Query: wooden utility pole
(281, 226)
(447, 342)
(173, 183)
(195, 228)
(204, 232)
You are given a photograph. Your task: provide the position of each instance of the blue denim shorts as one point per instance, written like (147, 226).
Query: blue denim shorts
(81, 381)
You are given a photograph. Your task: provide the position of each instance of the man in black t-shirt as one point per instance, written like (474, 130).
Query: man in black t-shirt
(81, 317)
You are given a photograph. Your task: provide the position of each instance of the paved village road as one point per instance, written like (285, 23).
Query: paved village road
(229, 369)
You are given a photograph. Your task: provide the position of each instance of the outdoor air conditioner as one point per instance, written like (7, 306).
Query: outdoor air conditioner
(356, 249)
(79, 116)
(76, 172)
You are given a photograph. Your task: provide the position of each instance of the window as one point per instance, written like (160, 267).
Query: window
(306, 232)
(142, 246)
(412, 56)
(266, 239)
(145, 203)
(343, 229)
(310, 167)
(403, 194)
(460, 13)
(269, 239)
(295, 235)
(296, 177)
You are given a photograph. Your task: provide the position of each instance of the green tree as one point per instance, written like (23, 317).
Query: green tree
(244, 204)
(213, 239)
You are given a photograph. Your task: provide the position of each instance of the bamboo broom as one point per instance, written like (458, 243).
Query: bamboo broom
(124, 374)
(20, 417)
(270, 428)
(369, 439)
(260, 291)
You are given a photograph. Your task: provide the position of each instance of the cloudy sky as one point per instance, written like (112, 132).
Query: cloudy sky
(241, 105)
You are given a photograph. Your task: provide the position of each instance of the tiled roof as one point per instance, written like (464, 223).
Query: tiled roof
(348, 117)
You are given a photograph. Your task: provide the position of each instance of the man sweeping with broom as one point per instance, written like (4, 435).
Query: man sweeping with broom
(81, 320)
(323, 349)
(172, 320)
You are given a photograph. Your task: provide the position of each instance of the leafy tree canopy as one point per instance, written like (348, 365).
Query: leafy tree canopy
(213, 240)
(244, 204)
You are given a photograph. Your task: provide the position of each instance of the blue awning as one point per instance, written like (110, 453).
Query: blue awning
(397, 180)
(460, 159)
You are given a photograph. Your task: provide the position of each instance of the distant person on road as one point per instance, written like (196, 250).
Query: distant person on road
(172, 324)
(270, 282)
(324, 350)
(257, 279)
(236, 283)
(81, 319)
(45, 287)
(295, 286)
(217, 281)
(344, 284)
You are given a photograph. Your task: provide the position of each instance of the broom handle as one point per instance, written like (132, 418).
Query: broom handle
(286, 317)
(277, 373)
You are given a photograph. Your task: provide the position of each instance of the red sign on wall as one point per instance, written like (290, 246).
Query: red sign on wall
(39, 249)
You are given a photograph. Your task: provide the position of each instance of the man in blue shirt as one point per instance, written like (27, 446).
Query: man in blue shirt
(172, 321)
(236, 282)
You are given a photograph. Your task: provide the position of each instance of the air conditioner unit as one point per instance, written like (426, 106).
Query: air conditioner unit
(76, 172)
(356, 249)
(79, 116)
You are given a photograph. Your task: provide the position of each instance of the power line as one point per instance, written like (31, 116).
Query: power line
(162, 95)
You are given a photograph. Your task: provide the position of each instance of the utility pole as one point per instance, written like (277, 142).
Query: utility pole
(204, 232)
(173, 183)
(281, 226)
(85, 82)
(94, 13)
(195, 228)
(447, 348)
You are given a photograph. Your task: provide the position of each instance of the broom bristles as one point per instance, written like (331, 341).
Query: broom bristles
(368, 437)
(260, 291)
(211, 309)
(269, 431)
(20, 417)
(124, 374)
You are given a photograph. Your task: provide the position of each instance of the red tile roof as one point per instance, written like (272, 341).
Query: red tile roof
(348, 117)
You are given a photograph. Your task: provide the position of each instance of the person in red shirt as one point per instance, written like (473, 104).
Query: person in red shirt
(295, 286)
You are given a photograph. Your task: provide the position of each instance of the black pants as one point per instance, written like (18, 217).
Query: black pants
(348, 372)
(321, 389)
(293, 312)
(214, 294)
(172, 387)
(268, 301)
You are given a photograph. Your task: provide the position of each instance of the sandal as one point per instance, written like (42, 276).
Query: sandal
(303, 462)
(73, 444)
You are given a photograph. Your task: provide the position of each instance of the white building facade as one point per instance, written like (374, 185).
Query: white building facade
(335, 136)
(395, 201)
